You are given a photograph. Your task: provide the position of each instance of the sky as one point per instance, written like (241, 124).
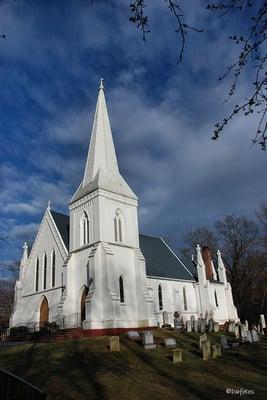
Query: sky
(162, 115)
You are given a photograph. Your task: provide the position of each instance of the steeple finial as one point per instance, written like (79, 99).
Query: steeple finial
(101, 86)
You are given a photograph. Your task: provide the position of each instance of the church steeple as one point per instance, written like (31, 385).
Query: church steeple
(101, 170)
(101, 153)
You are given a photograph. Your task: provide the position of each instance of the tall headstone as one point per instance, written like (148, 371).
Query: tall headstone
(195, 325)
(262, 323)
(206, 350)
(216, 326)
(165, 318)
(207, 317)
(114, 343)
(246, 323)
(188, 326)
(249, 337)
(237, 334)
(177, 321)
(202, 325)
(192, 319)
(202, 339)
(211, 325)
(254, 335)
(243, 332)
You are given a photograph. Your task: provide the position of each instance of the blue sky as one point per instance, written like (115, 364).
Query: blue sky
(162, 115)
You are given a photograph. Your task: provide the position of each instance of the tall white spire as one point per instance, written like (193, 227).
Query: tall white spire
(101, 166)
(101, 153)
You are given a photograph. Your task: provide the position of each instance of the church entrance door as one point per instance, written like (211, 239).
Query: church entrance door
(44, 312)
(84, 294)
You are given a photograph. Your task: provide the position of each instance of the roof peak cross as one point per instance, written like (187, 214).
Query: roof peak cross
(101, 86)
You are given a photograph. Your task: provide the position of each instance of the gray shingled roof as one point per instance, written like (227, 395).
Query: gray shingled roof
(62, 223)
(160, 260)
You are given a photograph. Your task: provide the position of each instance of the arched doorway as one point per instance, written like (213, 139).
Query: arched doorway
(83, 298)
(44, 312)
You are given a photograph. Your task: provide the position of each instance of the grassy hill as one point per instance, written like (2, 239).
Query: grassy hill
(84, 369)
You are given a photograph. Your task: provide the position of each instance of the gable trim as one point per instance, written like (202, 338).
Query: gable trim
(182, 264)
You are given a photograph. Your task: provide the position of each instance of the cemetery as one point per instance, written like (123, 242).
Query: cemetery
(147, 364)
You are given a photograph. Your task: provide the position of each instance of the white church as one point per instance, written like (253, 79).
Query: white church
(93, 269)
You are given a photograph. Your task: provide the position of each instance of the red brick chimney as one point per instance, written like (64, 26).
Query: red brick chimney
(206, 255)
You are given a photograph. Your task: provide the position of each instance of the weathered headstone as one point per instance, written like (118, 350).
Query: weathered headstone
(211, 325)
(234, 345)
(188, 326)
(262, 323)
(207, 317)
(148, 340)
(133, 335)
(195, 326)
(114, 343)
(231, 327)
(177, 356)
(237, 334)
(243, 332)
(216, 350)
(216, 326)
(224, 342)
(177, 321)
(202, 338)
(170, 342)
(165, 318)
(249, 337)
(254, 335)
(246, 323)
(202, 325)
(206, 350)
(192, 319)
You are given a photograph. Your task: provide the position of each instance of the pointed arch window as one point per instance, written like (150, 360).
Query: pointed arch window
(85, 229)
(45, 270)
(160, 298)
(118, 227)
(185, 299)
(37, 275)
(121, 289)
(216, 299)
(53, 268)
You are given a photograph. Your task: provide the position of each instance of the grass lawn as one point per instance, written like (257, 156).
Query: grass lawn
(85, 369)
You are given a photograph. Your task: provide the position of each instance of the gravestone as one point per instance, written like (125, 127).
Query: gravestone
(148, 340)
(207, 318)
(234, 345)
(192, 319)
(170, 342)
(224, 342)
(237, 334)
(195, 325)
(262, 323)
(243, 332)
(206, 350)
(231, 327)
(246, 323)
(114, 343)
(177, 321)
(216, 326)
(211, 325)
(249, 337)
(165, 318)
(188, 326)
(202, 338)
(202, 325)
(254, 335)
(133, 335)
(177, 356)
(216, 350)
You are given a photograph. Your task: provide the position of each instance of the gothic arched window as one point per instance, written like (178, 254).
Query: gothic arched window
(118, 227)
(160, 298)
(185, 299)
(84, 229)
(45, 270)
(37, 275)
(53, 268)
(121, 290)
(216, 299)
